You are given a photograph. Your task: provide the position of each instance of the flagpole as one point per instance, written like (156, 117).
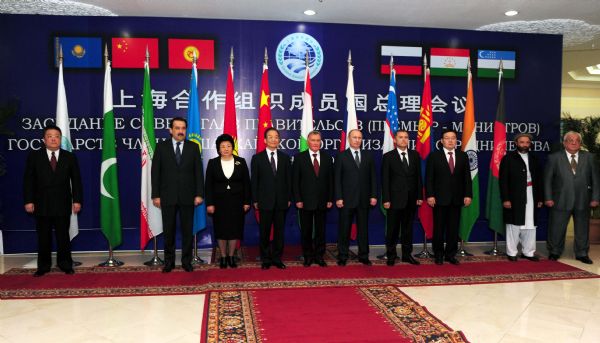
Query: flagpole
(425, 253)
(494, 251)
(461, 250)
(155, 260)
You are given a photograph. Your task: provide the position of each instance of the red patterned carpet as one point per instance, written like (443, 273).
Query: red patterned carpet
(129, 281)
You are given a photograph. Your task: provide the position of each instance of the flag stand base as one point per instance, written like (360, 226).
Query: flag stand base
(494, 251)
(425, 252)
(111, 261)
(155, 261)
(196, 260)
(461, 251)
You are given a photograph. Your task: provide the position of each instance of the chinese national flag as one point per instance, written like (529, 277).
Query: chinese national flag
(181, 53)
(131, 52)
(264, 113)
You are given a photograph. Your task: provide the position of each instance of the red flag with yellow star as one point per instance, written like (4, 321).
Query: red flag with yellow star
(264, 112)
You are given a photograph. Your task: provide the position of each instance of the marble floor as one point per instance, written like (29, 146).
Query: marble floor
(549, 311)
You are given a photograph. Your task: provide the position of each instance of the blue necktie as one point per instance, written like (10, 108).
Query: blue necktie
(178, 153)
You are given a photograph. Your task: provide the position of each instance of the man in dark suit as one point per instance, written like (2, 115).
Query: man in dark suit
(312, 184)
(571, 187)
(521, 192)
(271, 182)
(448, 188)
(52, 190)
(400, 194)
(177, 187)
(355, 191)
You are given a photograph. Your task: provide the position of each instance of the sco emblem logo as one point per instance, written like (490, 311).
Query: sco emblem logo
(291, 56)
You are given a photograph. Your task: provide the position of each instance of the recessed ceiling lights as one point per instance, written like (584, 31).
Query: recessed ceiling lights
(310, 12)
(511, 13)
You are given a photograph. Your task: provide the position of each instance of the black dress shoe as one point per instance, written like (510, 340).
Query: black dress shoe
(279, 265)
(188, 268)
(321, 263)
(39, 273)
(553, 257)
(168, 268)
(365, 261)
(231, 262)
(69, 271)
(307, 261)
(410, 259)
(341, 263)
(452, 260)
(584, 259)
(222, 263)
(531, 258)
(439, 261)
(390, 261)
(265, 265)
(512, 258)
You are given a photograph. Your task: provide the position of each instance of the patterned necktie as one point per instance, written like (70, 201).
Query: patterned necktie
(273, 165)
(451, 162)
(178, 153)
(356, 159)
(53, 161)
(316, 164)
(573, 164)
(404, 161)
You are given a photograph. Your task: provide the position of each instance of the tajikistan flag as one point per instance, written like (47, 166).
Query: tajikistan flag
(307, 114)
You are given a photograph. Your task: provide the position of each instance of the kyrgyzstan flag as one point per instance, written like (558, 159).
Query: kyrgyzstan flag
(181, 53)
(131, 52)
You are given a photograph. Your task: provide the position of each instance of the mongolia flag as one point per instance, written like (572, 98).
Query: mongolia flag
(181, 53)
(131, 52)
(424, 147)
(195, 136)
(351, 120)
(469, 214)
(230, 117)
(306, 125)
(449, 62)
(407, 59)
(264, 112)
(488, 63)
(79, 52)
(493, 208)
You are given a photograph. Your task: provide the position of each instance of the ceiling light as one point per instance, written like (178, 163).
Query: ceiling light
(511, 13)
(310, 12)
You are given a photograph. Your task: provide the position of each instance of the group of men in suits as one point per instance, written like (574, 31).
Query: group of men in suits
(571, 185)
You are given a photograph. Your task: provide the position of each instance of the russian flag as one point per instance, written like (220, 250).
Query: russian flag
(407, 59)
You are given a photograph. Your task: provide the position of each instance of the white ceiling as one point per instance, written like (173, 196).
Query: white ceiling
(581, 34)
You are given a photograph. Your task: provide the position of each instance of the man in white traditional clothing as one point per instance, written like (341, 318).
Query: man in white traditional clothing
(521, 190)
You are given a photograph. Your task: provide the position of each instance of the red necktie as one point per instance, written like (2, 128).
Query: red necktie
(316, 164)
(53, 161)
(451, 163)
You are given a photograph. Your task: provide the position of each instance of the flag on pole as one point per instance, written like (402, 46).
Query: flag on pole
(493, 206)
(469, 214)
(150, 216)
(110, 207)
(424, 146)
(62, 121)
(307, 114)
(230, 117)
(264, 111)
(194, 135)
(391, 118)
(351, 119)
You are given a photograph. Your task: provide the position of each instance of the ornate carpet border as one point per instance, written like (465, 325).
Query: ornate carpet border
(274, 284)
(409, 317)
(231, 318)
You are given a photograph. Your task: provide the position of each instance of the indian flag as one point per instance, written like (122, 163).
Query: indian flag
(449, 62)
(488, 63)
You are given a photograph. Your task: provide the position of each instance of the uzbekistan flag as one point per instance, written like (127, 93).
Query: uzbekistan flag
(449, 62)
(407, 59)
(488, 63)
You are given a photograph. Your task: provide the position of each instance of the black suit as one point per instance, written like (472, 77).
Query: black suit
(177, 186)
(449, 190)
(355, 186)
(271, 192)
(314, 192)
(52, 193)
(401, 187)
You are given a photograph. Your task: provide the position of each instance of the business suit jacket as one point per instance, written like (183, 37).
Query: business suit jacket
(401, 187)
(271, 191)
(52, 193)
(356, 186)
(513, 185)
(177, 184)
(448, 189)
(312, 190)
(568, 191)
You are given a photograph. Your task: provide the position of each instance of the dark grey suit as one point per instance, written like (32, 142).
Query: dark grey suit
(572, 194)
